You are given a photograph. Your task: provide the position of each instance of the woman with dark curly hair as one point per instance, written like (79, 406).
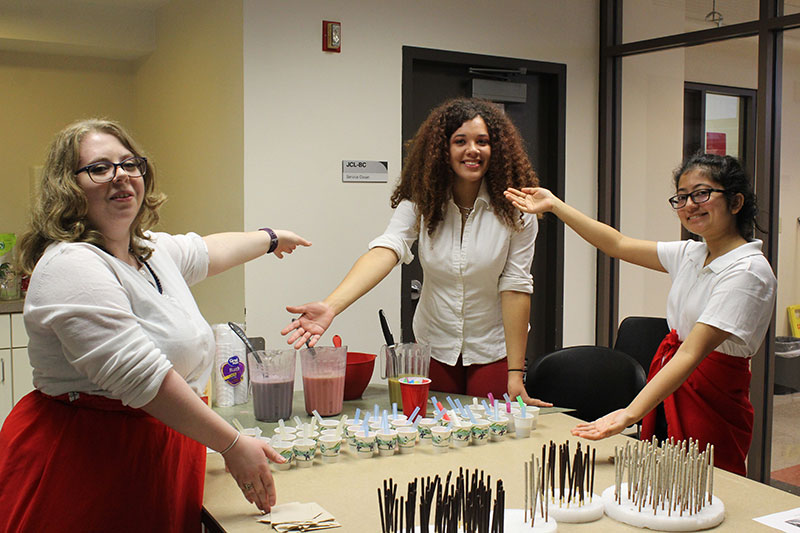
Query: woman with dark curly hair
(475, 249)
(718, 309)
(114, 436)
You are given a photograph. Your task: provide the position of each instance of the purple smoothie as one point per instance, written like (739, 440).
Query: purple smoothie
(272, 400)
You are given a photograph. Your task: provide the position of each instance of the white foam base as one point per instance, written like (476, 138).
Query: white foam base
(515, 523)
(626, 512)
(577, 514)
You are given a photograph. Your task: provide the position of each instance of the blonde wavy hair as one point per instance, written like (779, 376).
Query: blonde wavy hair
(60, 210)
(427, 177)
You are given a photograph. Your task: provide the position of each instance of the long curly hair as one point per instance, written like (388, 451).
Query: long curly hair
(60, 211)
(427, 177)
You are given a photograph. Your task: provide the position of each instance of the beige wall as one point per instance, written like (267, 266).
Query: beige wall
(40, 95)
(306, 111)
(188, 97)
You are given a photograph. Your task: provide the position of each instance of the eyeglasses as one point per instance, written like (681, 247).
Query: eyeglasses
(104, 171)
(700, 196)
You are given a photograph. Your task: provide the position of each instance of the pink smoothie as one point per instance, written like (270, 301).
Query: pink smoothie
(325, 394)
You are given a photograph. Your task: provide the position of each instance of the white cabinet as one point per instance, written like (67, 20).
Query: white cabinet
(16, 374)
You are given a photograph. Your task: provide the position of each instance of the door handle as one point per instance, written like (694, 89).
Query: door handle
(2, 370)
(416, 289)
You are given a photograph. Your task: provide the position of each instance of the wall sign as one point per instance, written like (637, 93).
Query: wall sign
(365, 171)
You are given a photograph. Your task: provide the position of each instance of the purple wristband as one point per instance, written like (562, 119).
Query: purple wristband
(273, 239)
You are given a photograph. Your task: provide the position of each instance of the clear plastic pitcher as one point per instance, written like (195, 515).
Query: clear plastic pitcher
(323, 378)
(406, 359)
(273, 384)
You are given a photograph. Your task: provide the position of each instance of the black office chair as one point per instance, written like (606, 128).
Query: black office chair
(593, 380)
(639, 337)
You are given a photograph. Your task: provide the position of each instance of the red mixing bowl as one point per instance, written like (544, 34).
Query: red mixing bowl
(358, 374)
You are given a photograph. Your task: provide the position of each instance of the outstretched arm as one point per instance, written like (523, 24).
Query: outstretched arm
(178, 407)
(516, 307)
(315, 317)
(702, 340)
(230, 249)
(610, 241)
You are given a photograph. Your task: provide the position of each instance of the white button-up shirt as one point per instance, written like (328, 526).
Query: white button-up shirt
(459, 311)
(735, 292)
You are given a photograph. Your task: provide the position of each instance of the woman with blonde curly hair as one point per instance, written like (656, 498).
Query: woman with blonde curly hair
(475, 249)
(114, 435)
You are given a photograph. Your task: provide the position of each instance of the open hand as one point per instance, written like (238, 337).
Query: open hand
(532, 200)
(603, 427)
(518, 389)
(314, 319)
(248, 463)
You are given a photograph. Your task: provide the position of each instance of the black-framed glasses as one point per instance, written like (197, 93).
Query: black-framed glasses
(104, 171)
(700, 196)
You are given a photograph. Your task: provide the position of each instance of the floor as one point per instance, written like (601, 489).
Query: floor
(786, 441)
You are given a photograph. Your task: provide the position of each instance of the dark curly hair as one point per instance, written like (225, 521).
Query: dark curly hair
(427, 176)
(728, 172)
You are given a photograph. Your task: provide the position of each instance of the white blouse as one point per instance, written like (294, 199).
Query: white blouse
(99, 325)
(735, 292)
(459, 309)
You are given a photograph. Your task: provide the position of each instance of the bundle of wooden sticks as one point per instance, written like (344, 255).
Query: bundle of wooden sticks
(675, 476)
(575, 479)
(466, 504)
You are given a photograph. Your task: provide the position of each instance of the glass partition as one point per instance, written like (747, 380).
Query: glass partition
(786, 401)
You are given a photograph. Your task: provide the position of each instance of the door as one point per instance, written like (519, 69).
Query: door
(720, 120)
(432, 76)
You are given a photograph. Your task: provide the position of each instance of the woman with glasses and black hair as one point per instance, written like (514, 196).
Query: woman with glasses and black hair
(114, 437)
(718, 309)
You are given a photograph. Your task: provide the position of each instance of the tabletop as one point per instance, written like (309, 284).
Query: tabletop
(348, 488)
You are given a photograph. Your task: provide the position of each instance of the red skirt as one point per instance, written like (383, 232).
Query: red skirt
(92, 464)
(712, 406)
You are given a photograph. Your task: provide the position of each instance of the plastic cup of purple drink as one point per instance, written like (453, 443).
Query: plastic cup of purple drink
(273, 384)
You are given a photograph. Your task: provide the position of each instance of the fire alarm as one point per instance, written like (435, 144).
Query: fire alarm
(331, 36)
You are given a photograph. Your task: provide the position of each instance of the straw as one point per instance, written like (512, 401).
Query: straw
(238, 425)
(384, 418)
(470, 415)
(358, 415)
(450, 401)
(455, 419)
(434, 401)
(414, 413)
(377, 411)
(441, 409)
(394, 410)
(496, 411)
(491, 399)
(298, 421)
(460, 407)
(306, 431)
(317, 416)
(366, 427)
(521, 405)
(486, 407)
(416, 422)
(340, 427)
(507, 398)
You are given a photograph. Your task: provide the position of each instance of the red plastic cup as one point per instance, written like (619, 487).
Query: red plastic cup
(414, 391)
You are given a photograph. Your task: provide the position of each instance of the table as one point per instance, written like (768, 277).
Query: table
(348, 488)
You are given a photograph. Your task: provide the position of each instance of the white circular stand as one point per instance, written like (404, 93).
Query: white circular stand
(575, 514)
(515, 523)
(628, 513)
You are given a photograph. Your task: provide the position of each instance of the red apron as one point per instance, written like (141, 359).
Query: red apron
(711, 406)
(92, 464)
